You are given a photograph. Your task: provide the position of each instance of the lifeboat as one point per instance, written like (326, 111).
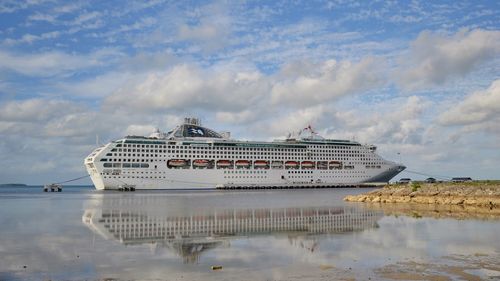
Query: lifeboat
(200, 163)
(176, 163)
(242, 164)
(291, 164)
(223, 163)
(260, 164)
(307, 164)
(335, 165)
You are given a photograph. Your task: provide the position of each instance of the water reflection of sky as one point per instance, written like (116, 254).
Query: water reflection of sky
(48, 234)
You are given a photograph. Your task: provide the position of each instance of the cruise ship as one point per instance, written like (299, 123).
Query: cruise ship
(192, 156)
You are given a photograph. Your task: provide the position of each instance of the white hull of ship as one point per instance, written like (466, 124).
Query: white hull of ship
(177, 179)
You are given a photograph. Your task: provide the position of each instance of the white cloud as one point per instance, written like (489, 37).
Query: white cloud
(54, 62)
(30, 38)
(327, 81)
(200, 32)
(396, 121)
(435, 58)
(186, 86)
(209, 26)
(86, 17)
(139, 130)
(147, 61)
(95, 87)
(478, 111)
(42, 17)
(38, 110)
(68, 8)
(10, 6)
(293, 121)
(244, 116)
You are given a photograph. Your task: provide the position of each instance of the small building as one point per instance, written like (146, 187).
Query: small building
(461, 179)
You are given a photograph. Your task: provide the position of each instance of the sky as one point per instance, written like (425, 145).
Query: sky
(420, 80)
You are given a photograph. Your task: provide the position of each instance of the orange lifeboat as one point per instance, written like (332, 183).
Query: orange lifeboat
(307, 165)
(261, 164)
(291, 164)
(242, 164)
(201, 163)
(177, 163)
(223, 163)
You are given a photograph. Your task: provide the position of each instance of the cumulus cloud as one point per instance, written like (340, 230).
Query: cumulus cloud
(187, 86)
(39, 110)
(396, 122)
(326, 81)
(479, 110)
(244, 116)
(148, 61)
(62, 132)
(96, 87)
(238, 93)
(435, 58)
(293, 121)
(139, 130)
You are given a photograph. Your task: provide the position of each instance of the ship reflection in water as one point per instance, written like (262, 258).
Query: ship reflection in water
(190, 231)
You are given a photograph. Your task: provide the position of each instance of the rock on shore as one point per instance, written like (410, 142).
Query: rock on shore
(472, 194)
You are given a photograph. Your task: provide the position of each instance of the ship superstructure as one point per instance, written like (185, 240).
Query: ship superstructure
(195, 157)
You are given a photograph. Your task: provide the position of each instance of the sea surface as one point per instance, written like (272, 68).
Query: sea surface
(84, 234)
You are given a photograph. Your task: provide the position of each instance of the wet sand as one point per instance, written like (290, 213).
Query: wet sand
(460, 212)
(474, 267)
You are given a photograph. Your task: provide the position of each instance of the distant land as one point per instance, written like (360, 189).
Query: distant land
(13, 184)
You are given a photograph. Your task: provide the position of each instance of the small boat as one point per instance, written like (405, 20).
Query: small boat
(291, 165)
(261, 164)
(126, 187)
(242, 164)
(200, 163)
(176, 163)
(335, 165)
(307, 165)
(224, 163)
(52, 187)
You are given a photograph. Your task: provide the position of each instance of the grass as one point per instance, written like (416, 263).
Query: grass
(415, 186)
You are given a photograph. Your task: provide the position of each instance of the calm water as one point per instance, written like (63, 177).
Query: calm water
(82, 234)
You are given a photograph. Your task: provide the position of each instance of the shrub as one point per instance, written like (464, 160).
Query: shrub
(415, 186)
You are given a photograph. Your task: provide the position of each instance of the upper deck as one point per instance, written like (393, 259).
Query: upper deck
(192, 133)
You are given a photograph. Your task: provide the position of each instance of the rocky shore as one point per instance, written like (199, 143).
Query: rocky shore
(483, 194)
